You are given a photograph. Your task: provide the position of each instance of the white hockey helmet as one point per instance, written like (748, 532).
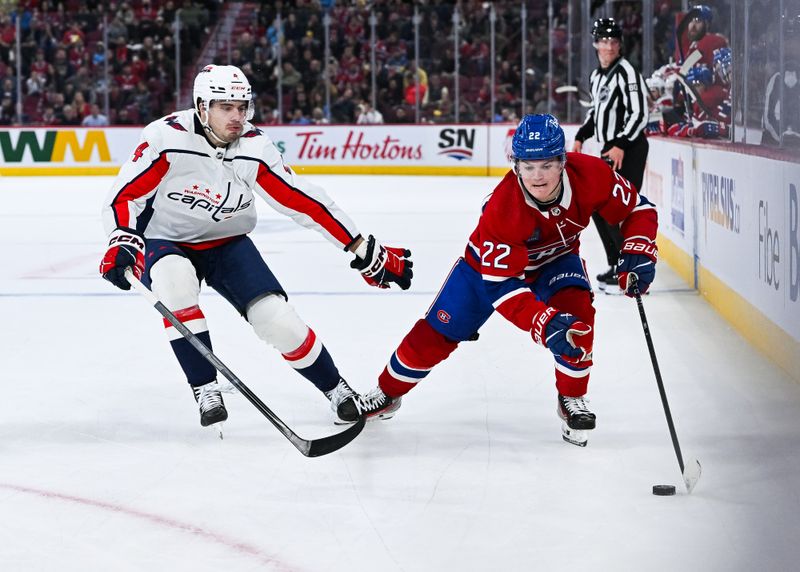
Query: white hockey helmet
(656, 83)
(222, 83)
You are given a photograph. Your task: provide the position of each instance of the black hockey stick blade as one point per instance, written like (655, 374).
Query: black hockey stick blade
(325, 445)
(308, 447)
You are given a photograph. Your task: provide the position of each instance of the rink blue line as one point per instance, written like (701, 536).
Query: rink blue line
(214, 294)
(291, 294)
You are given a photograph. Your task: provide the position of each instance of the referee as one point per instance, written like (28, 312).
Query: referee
(617, 117)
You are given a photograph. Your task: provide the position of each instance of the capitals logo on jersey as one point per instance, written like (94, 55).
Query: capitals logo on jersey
(203, 198)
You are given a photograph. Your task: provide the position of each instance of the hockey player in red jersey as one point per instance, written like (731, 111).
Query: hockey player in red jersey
(711, 107)
(180, 211)
(697, 22)
(523, 261)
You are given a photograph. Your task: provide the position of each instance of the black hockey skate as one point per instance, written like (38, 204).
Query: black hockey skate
(377, 405)
(343, 403)
(209, 399)
(607, 281)
(577, 419)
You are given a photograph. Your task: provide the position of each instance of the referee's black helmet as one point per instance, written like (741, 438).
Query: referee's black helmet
(606, 28)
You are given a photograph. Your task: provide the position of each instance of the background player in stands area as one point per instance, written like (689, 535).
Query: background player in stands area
(710, 105)
(523, 261)
(790, 116)
(694, 34)
(181, 209)
(617, 119)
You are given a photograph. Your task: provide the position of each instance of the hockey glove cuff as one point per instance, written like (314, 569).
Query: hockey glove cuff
(563, 334)
(125, 248)
(380, 265)
(637, 257)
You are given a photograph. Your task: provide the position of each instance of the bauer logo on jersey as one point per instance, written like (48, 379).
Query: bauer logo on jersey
(458, 143)
(443, 316)
(199, 196)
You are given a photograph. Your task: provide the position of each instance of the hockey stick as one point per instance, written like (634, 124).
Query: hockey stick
(688, 64)
(308, 447)
(691, 471)
(696, 96)
(574, 89)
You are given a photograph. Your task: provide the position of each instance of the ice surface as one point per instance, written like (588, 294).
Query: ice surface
(104, 466)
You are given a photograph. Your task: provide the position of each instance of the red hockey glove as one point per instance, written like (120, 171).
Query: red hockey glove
(637, 257)
(380, 265)
(125, 248)
(563, 334)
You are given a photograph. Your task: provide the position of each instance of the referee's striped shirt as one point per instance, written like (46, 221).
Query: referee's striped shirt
(619, 105)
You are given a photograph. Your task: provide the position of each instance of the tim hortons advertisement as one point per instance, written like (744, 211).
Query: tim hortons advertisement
(428, 149)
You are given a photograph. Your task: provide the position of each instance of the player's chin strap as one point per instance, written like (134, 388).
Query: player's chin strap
(207, 128)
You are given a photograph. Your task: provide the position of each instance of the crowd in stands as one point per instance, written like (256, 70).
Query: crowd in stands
(67, 68)
(68, 71)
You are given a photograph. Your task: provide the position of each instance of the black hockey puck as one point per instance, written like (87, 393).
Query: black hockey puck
(664, 490)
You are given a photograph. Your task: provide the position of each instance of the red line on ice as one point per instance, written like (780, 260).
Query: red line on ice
(237, 546)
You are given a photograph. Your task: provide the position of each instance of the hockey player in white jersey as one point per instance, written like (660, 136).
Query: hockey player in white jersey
(180, 210)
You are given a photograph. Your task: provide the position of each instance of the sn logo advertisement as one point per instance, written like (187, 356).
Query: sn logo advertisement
(457, 143)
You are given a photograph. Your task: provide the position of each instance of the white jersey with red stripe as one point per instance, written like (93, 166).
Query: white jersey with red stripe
(177, 186)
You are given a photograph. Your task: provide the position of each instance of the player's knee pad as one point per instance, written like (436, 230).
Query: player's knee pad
(175, 282)
(276, 322)
(576, 301)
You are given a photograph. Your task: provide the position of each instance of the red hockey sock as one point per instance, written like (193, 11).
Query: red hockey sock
(572, 380)
(421, 349)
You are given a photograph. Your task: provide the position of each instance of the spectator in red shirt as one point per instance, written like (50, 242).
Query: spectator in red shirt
(7, 35)
(146, 11)
(78, 55)
(81, 106)
(40, 65)
(73, 34)
(127, 80)
(413, 92)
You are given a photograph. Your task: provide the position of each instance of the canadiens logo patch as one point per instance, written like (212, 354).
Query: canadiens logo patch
(443, 316)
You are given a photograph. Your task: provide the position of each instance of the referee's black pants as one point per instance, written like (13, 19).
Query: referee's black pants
(632, 169)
